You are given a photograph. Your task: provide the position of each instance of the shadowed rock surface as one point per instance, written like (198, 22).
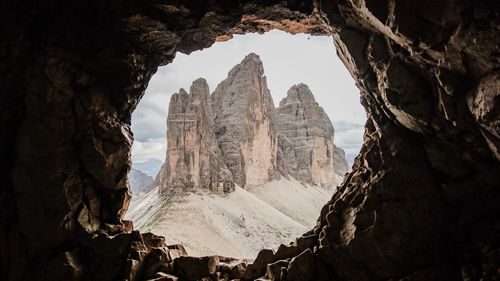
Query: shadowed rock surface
(421, 202)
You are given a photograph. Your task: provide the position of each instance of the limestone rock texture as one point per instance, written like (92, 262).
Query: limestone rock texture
(421, 201)
(306, 139)
(244, 123)
(193, 160)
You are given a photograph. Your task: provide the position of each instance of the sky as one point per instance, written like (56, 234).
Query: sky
(288, 60)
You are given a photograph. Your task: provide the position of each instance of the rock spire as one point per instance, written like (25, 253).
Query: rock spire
(193, 157)
(237, 136)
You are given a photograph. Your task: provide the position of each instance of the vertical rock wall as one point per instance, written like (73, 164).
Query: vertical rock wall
(244, 123)
(193, 157)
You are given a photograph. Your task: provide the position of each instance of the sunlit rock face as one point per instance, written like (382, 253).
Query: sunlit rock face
(306, 139)
(193, 157)
(244, 123)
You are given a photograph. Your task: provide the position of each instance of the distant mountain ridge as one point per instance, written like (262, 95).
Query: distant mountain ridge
(151, 167)
(140, 182)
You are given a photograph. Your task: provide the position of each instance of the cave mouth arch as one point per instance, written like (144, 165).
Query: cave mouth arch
(329, 85)
(427, 76)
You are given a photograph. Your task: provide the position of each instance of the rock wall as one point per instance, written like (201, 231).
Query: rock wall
(193, 158)
(244, 123)
(421, 202)
(306, 139)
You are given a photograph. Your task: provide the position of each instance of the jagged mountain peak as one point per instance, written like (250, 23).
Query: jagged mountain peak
(298, 93)
(244, 116)
(250, 64)
(199, 85)
(199, 93)
(252, 58)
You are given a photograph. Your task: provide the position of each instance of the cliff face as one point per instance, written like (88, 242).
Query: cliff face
(244, 123)
(193, 158)
(306, 139)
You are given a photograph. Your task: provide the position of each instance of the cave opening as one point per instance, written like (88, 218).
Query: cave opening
(420, 204)
(308, 93)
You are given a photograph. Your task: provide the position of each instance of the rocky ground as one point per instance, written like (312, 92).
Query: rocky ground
(170, 262)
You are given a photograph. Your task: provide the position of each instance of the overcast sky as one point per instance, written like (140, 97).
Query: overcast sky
(288, 60)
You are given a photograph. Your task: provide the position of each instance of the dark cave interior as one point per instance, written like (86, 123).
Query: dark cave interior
(421, 202)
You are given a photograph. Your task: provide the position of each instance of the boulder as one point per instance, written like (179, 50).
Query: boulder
(153, 241)
(295, 248)
(195, 268)
(274, 269)
(302, 267)
(176, 250)
(155, 261)
(259, 266)
(237, 271)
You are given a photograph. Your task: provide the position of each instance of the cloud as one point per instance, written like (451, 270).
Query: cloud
(153, 148)
(349, 136)
(148, 124)
(345, 125)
